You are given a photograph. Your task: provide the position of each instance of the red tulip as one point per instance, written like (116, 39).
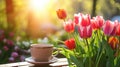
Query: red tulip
(97, 22)
(70, 43)
(61, 13)
(113, 42)
(85, 32)
(109, 28)
(69, 26)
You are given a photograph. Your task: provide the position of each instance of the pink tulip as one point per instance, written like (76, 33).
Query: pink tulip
(85, 32)
(97, 22)
(85, 20)
(84, 27)
(109, 28)
(76, 18)
(69, 26)
(100, 21)
(82, 19)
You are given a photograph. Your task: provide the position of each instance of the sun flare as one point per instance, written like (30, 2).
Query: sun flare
(39, 4)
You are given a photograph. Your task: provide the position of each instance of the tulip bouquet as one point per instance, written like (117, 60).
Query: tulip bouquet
(93, 42)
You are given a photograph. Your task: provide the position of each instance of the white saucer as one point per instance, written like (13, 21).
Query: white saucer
(31, 60)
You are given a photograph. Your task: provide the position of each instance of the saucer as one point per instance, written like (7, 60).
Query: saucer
(31, 60)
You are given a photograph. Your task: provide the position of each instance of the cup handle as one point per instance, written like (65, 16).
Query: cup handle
(56, 51)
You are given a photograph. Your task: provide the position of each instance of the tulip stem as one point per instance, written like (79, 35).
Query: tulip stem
(89, 52)
(98, 34)
(68, 59)
(99, 58)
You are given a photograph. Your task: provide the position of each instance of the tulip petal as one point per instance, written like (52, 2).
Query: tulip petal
(108, 27)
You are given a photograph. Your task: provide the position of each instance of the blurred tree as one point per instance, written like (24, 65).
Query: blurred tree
(94, 8)
(10, 15)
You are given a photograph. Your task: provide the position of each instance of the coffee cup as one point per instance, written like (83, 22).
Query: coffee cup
(41, 52)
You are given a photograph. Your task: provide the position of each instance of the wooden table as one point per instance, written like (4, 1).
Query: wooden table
(61, 62)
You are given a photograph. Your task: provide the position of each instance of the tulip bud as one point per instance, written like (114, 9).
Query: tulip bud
(61, 13)
(113, 42)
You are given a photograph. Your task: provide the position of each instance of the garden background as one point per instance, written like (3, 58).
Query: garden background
(23, 22)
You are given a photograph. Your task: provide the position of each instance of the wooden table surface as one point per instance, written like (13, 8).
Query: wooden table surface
(61, 62)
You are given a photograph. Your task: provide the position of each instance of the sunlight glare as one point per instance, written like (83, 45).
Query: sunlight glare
(39, 4)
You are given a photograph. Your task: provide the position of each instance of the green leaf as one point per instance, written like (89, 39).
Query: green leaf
(77, 62)
(99, 54)
(118, 63)
(79, 47)
(109, 54)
